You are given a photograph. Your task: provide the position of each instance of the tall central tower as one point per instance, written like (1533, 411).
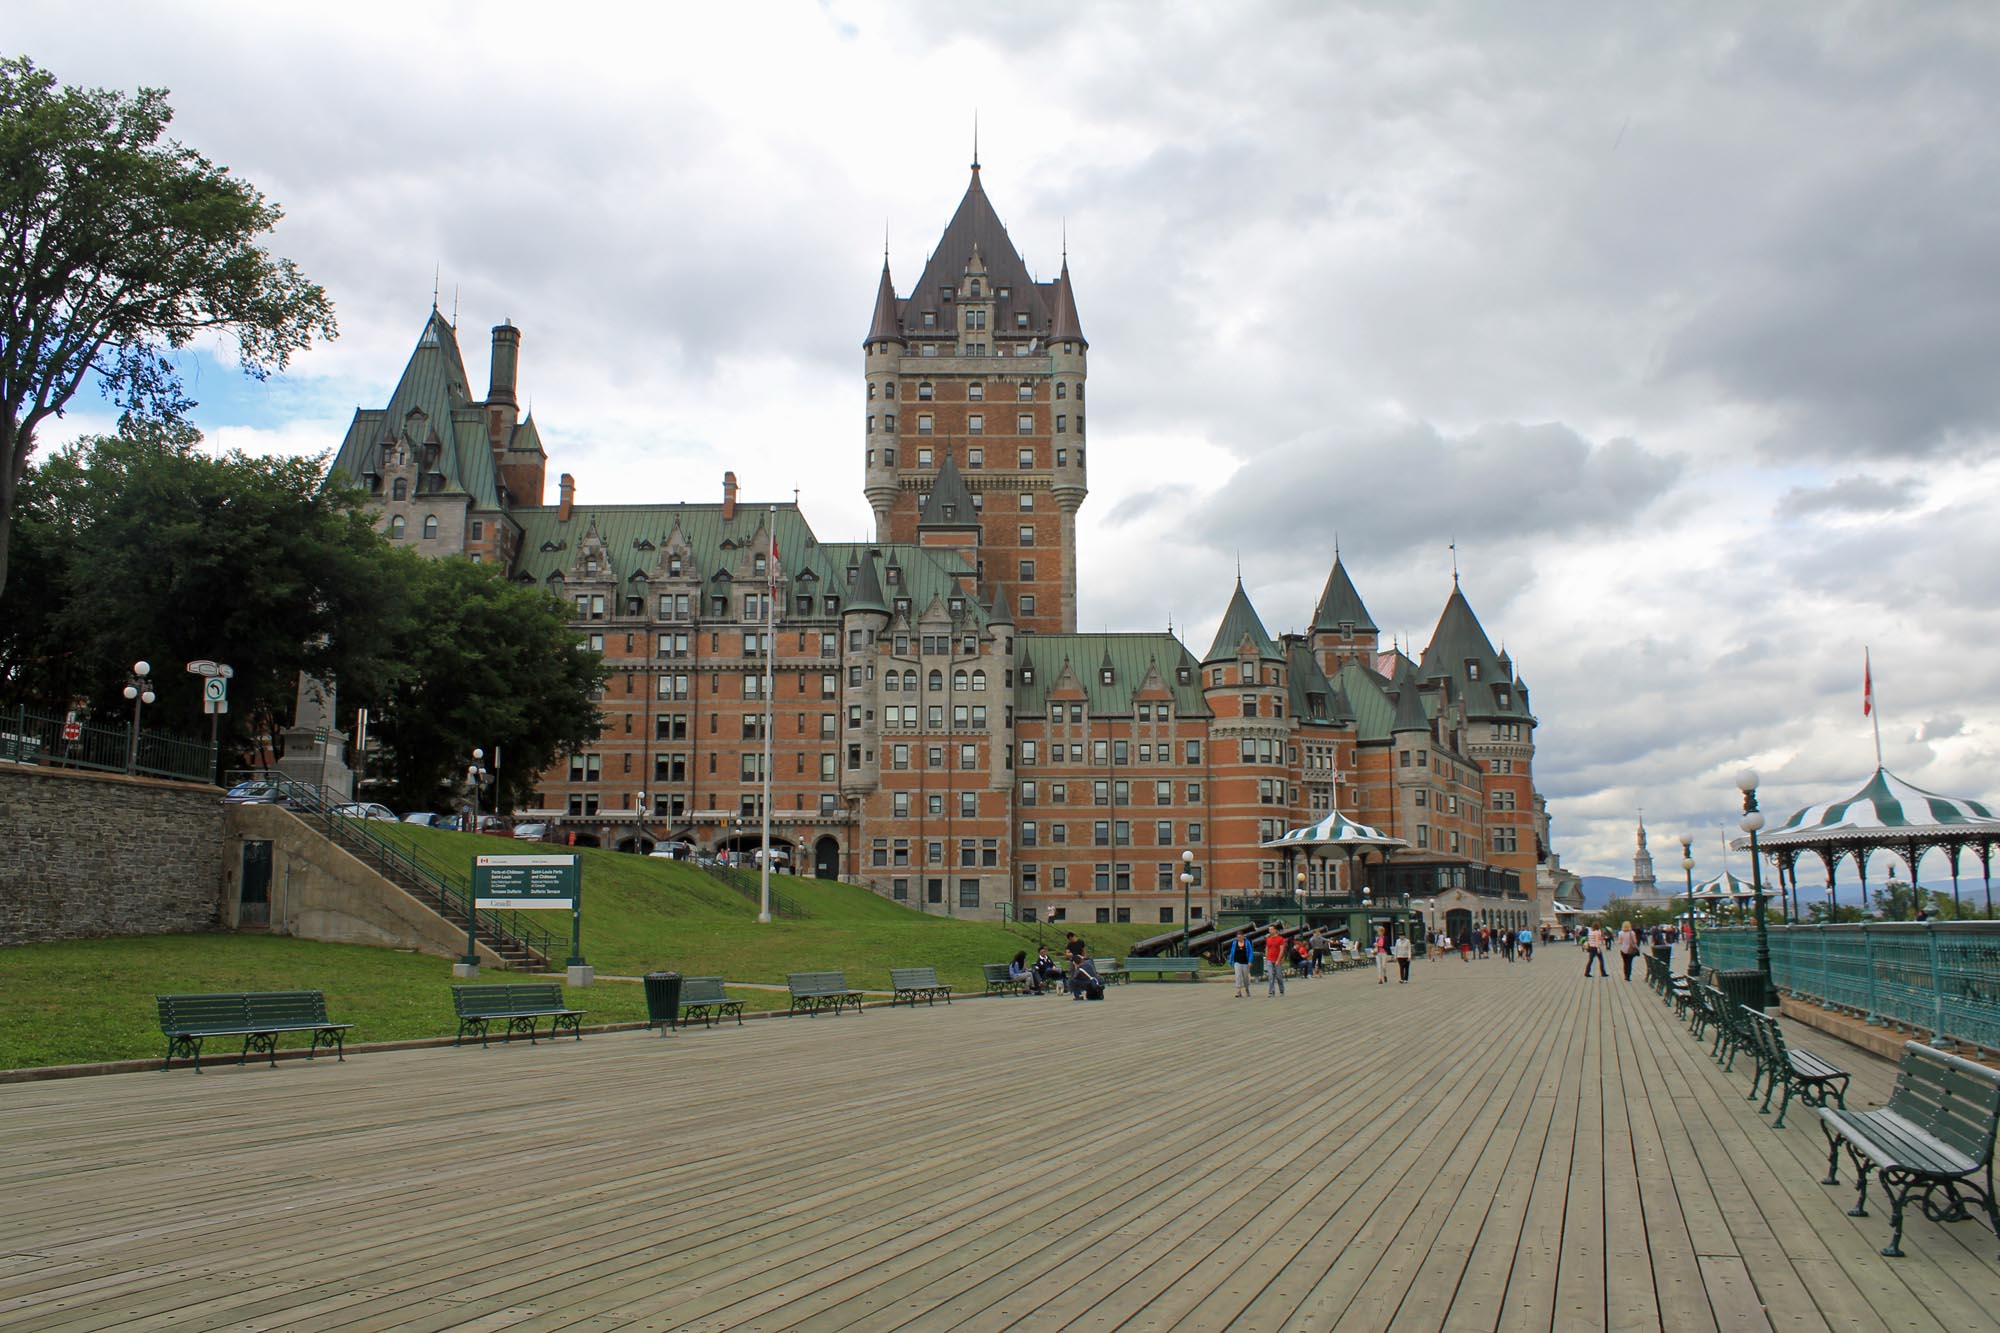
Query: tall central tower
(985, 366)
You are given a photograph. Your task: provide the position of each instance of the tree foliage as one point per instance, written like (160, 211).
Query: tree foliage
(119, 247)
(481, 662)
(141, 546)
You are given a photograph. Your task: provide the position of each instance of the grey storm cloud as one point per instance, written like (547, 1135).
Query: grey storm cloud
(1859, 495)
(1500, 482)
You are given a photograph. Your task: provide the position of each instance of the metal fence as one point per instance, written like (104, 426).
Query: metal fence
(31, 737)
(1942, 977)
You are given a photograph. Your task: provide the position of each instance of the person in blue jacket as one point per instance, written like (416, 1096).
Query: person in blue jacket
(1239, 962)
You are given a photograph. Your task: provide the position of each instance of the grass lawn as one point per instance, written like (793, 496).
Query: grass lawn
(92, 1000)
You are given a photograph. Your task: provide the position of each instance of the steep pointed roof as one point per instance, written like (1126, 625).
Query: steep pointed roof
(887, 323)
(1410, 714)
(432, 405)
(1239, 621)
(867, 591)
(1063, 322)
(1002, 612)
(976, 226)
(1460, 651)
(1313, 695)
(950, 503)
(1340, 604)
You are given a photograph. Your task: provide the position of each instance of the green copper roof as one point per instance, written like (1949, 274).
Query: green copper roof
(1459, 650)
(1370, 703)
(1340, 604)
(1410, 714)
(949, 504)
(1239, 622)
(865, 592)
(432, 407)
(1134, 659)
(1314, 699)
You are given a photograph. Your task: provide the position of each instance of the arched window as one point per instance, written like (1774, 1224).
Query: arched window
(979, 680)
(400, 489)
(959, 681)
(937, 680)
(396, 526)
(910, 681)
(891, 681)
(430, 527)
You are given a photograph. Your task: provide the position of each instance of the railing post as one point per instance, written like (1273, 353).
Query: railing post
(1938, 1037)
(1874, 1015)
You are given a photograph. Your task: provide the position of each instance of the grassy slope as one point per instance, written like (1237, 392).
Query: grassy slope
(93, 999)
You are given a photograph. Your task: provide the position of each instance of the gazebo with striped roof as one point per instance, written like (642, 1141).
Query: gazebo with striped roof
(1886, 814)
(1335, 831)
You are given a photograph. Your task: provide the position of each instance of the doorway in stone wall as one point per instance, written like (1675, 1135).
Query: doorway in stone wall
(253, 906)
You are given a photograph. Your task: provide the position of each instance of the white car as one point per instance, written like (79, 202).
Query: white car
(780, 858)
(365, 810)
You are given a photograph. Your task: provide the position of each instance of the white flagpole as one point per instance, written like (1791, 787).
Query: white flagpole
(770, 673)
(1868, 701)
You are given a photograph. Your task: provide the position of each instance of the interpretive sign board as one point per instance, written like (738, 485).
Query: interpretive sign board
(527, 882)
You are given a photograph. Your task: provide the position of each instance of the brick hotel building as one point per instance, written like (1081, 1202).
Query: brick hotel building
(940, 731)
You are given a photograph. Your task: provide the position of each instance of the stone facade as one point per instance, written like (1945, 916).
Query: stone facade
(86, 855)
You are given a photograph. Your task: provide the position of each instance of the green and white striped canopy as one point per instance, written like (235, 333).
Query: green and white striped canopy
(1336, 830)
(1724, 888)
(1886, 811)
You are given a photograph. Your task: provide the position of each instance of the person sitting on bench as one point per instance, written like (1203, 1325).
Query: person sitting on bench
(1084, 983)
(1017, 970)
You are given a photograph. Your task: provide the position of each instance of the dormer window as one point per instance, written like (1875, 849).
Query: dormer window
(975, 286)
(902, 606)
(590, 566)
(1471, 668)
(957, 603)
(1181, 675)
(930, 319)
(673, 566)
(1104, 676)
(756, 564)
(1003, 292)
(1027, 675)
(1503, 696)
(400, 489)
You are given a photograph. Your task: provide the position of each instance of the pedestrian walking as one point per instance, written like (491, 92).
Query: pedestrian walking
(1527, 945)
(1274, 962)
(1628, 947)
(1239, 963)
(1381, 957)
(1593, 944)
(1402, 952)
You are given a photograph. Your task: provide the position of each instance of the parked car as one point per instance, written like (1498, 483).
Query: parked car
(365, 810)
(531, 832)
(780, 858)
(423, 818)
(255, 791)
(496, 824)
(674, 851)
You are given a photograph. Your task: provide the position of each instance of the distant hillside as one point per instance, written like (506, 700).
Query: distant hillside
(1601, 889)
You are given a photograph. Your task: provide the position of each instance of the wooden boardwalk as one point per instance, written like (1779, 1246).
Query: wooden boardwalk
(1495, 1146)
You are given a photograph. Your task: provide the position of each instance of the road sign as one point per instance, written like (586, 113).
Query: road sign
(215, 687)
(526, 882)
(72, 730)
(201, 666)
(215, 705)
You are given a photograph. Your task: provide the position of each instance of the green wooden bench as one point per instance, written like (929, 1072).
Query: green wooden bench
(1732, 1033)
(1779, 1064)
(917, 983)
(998, 982)
(521, 1003)
(1160, 969)
(259, 1017)
(1935, 1137)
(703, 999)
(1109, 970)
(814, 991)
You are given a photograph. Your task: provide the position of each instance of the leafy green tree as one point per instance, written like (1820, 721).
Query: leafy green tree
(1821, 914)
(118, 248)
(144, 547)
(479, 662)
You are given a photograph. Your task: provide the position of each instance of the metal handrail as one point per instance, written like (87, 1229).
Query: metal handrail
(317, 805)
(30, 737)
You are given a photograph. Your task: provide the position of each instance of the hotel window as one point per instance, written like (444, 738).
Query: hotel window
(1026, 393)
(1027, 535)
(1024, 423)
(396, 526)
(923, 458)
(926, 423)
(975, 458)
(975, 424)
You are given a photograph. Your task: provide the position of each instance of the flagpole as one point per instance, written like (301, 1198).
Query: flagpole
(1868, 701)
(770, 659)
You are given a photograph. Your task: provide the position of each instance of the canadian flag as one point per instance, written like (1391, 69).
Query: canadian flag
(1867, 685)
(774, 558)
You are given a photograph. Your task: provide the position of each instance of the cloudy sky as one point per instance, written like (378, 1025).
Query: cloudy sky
(1681, 321)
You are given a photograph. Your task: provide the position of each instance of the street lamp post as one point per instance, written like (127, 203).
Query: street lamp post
(139, 689)
(639, 824)
(1187, 896)
(1299, 892)
(1753, 819)
(1687, 868)
(475, 774)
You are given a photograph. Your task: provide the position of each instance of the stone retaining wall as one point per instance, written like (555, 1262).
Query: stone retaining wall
(84, 855)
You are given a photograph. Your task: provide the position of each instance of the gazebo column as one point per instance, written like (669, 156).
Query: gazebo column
(1951, 854)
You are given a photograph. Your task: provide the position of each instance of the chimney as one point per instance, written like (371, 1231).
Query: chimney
(728, 496)
(567, 488)
(506, 360)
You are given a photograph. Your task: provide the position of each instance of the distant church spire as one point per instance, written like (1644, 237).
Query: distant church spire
(1643, 883)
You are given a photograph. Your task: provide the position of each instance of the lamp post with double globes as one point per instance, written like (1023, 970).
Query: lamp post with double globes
(1687, 868)
(1187, 897)
(1753, 819)
(139, 689)
(475, 774)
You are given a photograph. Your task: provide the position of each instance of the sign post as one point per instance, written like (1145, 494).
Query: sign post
(528, 883)
(214, 702)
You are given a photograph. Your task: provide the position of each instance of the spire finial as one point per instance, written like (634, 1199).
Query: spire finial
(1336, 546)
(975, 138)
(437, 272)
(1065, 241)
(885, 242)
(1454, 562)
(454, 307)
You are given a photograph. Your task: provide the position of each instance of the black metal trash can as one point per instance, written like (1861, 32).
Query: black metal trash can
(1743, 985)
(663, 998)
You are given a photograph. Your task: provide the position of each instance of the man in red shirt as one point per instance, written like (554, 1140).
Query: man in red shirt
(1274, 961)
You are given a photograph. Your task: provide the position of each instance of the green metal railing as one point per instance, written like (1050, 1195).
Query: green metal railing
(1939, 976)
(31, 737)
(375, 844)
